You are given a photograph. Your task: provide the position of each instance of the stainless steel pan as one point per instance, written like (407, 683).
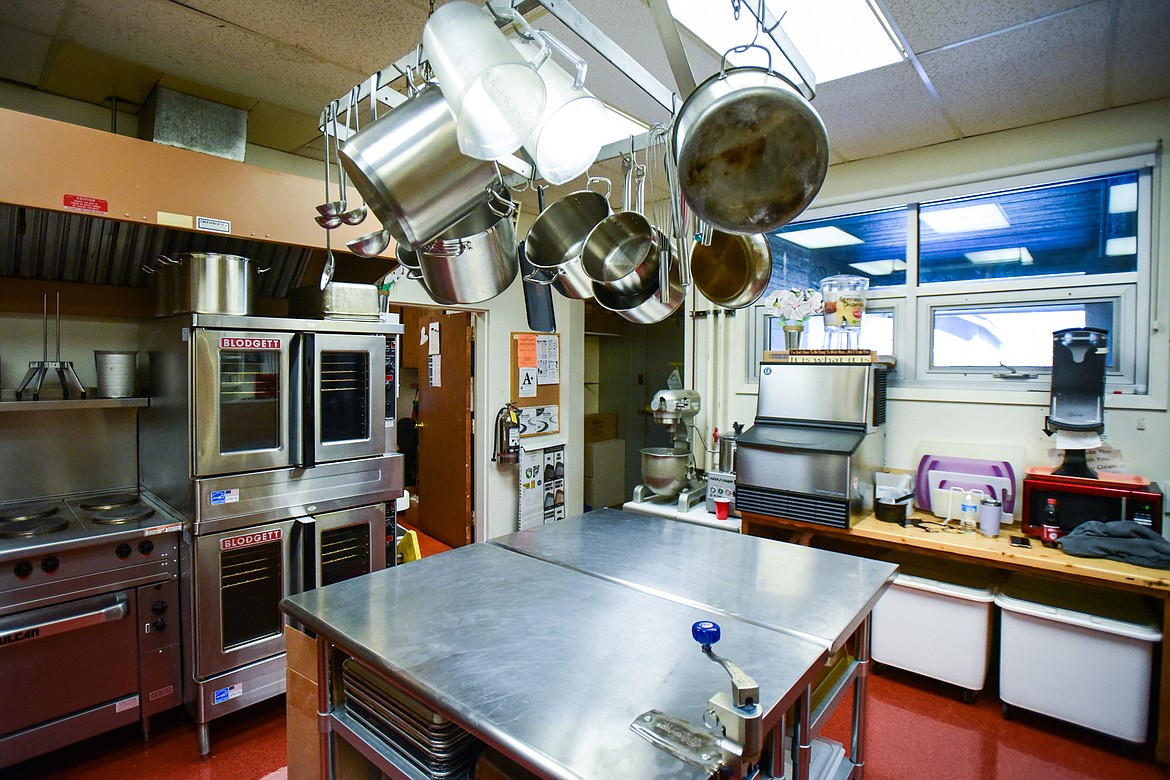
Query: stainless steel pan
(752, 152)
(733, 271)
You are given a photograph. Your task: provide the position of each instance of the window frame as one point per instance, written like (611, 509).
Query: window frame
(912, 303)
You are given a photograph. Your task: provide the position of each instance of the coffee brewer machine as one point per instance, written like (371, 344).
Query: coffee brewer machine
(670, 472)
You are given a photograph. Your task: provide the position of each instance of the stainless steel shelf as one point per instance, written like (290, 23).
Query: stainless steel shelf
(9, 404)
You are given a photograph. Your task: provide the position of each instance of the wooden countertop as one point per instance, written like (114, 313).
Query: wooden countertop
(975, 548)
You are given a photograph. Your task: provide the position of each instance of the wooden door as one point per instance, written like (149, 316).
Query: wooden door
(444, 432)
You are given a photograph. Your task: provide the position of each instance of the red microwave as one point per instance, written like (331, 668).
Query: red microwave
(1079, 500)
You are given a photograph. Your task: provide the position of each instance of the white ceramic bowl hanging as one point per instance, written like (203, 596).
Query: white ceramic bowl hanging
(495, 95)
(567, 137)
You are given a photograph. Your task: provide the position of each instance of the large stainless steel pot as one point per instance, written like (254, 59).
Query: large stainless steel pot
(204, 283)
(752, 152)
(664, 471)
(473, 260)
(408, 168)
(733, 271)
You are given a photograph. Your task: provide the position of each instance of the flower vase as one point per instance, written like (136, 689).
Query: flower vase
(792, 334)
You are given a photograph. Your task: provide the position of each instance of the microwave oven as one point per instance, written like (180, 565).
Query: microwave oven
(1080, 500)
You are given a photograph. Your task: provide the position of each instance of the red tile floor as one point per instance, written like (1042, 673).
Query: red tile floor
(916, 729)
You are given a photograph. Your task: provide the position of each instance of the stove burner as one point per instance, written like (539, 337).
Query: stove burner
(122, 514)
(28, 511)
(31, 526)
(108, 501)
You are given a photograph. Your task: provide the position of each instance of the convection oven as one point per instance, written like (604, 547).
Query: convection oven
(269, 436)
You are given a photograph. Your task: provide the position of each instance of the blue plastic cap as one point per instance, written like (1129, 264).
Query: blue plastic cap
(705, 632)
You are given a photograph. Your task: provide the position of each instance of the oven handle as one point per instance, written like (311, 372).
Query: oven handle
(308, 427)
(60, 620)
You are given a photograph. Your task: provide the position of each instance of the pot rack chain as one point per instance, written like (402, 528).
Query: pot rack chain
(377, 84)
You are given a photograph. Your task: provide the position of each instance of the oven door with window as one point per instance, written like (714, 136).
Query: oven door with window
(242, 401)
(240, 578)
(345, 414)
(341, 545)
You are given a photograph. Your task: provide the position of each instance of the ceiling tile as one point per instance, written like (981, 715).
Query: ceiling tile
(41, 16)
(94, 77)
(928, 24)
(1141, 57)
(192, 45)
(879, 112)
(1045, 71)
(24, 55)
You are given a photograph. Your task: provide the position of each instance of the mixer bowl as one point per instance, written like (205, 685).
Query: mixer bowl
(664, 471)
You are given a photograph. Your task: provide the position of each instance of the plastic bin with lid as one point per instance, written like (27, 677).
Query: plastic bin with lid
(936, 621)
(1078, 654)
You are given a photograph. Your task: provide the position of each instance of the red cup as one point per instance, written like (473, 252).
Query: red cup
(722, 507)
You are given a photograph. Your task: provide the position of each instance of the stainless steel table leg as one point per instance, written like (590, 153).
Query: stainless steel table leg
(802, 735)
(857, 746)
(203, 731)
(778, 734)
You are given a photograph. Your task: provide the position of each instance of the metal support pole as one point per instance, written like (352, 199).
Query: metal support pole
(857, 745)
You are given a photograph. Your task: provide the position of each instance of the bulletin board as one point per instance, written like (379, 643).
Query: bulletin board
(535, 382)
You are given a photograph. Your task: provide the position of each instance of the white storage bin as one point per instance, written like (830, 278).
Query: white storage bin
(1078, 654)
(937, 627)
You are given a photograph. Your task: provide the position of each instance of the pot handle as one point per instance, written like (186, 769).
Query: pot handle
(739, 50)
(580, 66)
(608, 184)
(537, 276)
(441, 248)
(499, 205)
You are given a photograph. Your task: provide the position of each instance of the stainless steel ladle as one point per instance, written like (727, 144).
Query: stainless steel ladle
(353, 216)
(332, 209)
(371, 244)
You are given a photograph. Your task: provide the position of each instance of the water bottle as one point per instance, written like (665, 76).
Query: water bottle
(968, 512)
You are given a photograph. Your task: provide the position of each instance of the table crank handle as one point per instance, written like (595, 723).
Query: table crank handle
(744, 689)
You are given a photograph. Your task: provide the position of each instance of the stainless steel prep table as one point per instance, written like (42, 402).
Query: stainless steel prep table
(817, 595)
(546, 664)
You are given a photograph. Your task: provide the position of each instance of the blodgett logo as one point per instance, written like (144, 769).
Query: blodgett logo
(246, 540)
(241, 343)
(19, 636)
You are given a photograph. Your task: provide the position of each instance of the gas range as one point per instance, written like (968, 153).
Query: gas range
(80, 543)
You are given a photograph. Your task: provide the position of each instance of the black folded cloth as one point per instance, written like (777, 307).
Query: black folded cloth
(1121, 540)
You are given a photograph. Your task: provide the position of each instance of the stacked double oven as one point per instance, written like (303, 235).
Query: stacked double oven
(268, 436)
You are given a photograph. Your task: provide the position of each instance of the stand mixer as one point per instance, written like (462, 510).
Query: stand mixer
(671, 472)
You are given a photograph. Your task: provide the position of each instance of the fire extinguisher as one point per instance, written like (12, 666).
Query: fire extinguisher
(507, 437)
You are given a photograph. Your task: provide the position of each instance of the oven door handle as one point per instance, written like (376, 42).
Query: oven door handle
(64, 618)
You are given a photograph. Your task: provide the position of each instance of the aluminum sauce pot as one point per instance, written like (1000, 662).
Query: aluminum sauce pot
(556, 238)
(752, 152)
(408, 168)
(205, 283)
(472, 261)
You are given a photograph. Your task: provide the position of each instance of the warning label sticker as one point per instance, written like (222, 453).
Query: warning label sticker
(83, 203)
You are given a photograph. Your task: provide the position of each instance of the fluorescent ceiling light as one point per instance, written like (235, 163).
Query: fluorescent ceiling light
(820, 238)
(836, 38)
(1017, 254)
(880, 267)
(1123, 198)
(1121, 246)
(966, 219)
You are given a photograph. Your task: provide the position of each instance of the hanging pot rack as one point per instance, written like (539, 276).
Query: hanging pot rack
(378, 86)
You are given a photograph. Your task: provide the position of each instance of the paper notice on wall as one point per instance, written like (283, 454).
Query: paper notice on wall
(539, 420)
(526, 350)
(548, 360)
(435, 370)
(526, 380)
(531, 476)
(554, 484)
(433, 338)
(1104, 458)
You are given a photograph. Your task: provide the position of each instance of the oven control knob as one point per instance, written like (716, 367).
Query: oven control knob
(145, 546)
(158, 607)
(123, 550)
(160, 624)
(23, 568)
(50, 564)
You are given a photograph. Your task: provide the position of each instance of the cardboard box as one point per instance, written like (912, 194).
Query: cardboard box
(599, 427)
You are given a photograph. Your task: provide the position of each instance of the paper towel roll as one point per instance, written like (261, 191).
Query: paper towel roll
(1076, 440)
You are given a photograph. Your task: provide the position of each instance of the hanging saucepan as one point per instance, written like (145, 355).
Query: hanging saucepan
(752, 152)
(408, 168)
(475, 259)
(622, 252)
(646, 307)
(556, 238)
(733, 271)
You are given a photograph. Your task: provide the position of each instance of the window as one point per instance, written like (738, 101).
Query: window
(968, 283)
